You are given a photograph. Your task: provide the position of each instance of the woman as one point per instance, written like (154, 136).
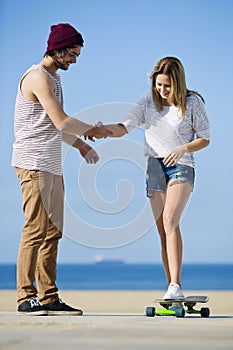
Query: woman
(176, 125)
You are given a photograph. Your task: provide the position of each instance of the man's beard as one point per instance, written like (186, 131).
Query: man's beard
(60, 65)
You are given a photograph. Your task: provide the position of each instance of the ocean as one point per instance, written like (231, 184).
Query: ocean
(123, 276)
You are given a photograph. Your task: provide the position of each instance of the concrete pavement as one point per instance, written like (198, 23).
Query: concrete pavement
(108, 331)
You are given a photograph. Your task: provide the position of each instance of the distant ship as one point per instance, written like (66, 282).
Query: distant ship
(99, 259)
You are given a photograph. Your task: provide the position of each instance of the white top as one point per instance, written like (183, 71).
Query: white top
(167, 129)
(37, 143)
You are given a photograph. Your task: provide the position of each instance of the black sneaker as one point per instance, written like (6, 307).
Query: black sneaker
(58, 307)
(32, 307)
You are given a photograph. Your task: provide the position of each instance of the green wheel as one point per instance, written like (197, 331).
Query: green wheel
(180, 312)
(150, 311)
(205, 312)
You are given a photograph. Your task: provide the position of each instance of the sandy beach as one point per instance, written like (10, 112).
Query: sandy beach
(116, 319)
(220, 302)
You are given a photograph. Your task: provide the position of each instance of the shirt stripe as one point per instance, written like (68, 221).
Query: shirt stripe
(37, 144)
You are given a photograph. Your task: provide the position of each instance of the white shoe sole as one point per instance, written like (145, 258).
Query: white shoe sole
(64, 313)
(33, 313)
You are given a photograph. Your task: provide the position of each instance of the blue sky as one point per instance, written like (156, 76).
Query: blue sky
(106, 205)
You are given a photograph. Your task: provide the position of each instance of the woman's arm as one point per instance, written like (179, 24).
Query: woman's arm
(117, 130)
(196, 145)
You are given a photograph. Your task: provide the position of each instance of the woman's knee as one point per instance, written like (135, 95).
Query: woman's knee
(170, 222)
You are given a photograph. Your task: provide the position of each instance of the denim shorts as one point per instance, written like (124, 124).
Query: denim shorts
(158, 175)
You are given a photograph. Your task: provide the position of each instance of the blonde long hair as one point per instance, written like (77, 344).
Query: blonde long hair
(173, 68)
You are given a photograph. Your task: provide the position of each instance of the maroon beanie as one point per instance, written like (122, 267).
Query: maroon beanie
(63, 35)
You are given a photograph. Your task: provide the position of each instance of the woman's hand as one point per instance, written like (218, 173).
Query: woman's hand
(174, 156)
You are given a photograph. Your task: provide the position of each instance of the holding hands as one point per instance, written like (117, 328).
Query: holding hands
(98, 131)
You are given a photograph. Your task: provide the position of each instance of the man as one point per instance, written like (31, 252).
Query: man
(40, 127)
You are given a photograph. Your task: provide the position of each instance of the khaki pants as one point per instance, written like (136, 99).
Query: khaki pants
(43, 202)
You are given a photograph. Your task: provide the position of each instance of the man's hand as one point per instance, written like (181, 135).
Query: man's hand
(88, 153)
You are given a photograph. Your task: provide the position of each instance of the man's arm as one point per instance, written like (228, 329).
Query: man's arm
(37, 86)
(86, 151)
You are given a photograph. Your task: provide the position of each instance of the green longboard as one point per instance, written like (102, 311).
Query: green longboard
(188, 304)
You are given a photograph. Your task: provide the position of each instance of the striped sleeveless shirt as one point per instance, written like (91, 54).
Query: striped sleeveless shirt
(38, 142)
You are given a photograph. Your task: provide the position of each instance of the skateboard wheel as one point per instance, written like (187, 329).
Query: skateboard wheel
(150, 311)
(180, 312)
(205, 312)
